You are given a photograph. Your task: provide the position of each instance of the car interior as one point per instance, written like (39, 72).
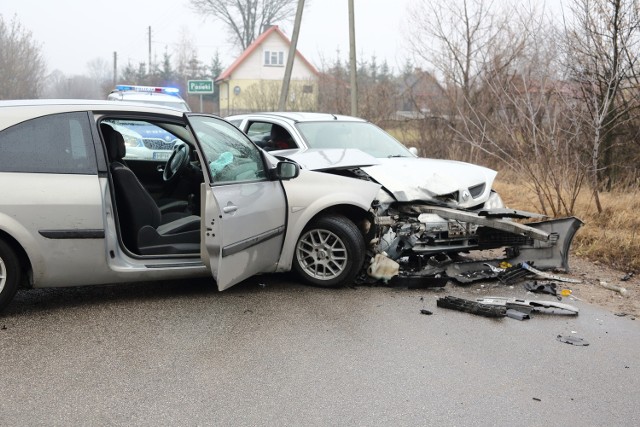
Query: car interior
(163, 223)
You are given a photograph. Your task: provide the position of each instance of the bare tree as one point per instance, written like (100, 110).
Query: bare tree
(458, 39)
(22, 67)
(100, 71)
(245, 19)
(603, 38)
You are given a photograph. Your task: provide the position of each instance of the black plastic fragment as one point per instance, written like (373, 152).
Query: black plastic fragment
(541, 288)
(472, 307)
(427, 312)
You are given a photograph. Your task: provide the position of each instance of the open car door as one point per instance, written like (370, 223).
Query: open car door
(244, 212)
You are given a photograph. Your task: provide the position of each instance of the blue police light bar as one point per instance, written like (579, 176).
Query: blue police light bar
(154, 89)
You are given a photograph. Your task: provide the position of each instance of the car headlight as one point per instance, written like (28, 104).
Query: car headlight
(132, 141)
(494, 201)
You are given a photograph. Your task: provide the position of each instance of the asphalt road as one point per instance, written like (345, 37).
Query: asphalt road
(273, 352)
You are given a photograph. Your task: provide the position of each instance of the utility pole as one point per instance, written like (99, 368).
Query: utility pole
(115, 68)
(284, 92)
(352, 60)
(149, 70)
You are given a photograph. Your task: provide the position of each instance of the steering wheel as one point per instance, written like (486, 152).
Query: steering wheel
(177, 162)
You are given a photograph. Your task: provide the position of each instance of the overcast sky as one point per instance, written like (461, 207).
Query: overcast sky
(74, 32)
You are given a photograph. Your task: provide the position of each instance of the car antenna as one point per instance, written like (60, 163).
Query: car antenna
(334, 116)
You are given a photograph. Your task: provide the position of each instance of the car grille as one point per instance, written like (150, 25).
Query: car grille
(477, 190)
(158, 144)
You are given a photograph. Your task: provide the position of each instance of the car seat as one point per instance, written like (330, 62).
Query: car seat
(144, 229)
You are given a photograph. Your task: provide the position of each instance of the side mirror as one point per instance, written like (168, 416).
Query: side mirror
(286, 170)
(414, 151)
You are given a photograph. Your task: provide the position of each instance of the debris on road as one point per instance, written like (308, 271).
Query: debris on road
(426, 312)
(541, 288)
(573, 340)
(549, 276)
(527, 306)
(473, 307)
(518, 315)
(619, 289)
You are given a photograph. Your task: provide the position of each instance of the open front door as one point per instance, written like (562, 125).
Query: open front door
(244, 212)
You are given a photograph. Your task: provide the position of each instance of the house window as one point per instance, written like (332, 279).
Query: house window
(273, 58)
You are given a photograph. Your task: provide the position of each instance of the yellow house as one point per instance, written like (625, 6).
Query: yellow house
(253, 81)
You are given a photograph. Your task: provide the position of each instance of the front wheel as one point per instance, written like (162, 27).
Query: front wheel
(9, 274)
(329, 252)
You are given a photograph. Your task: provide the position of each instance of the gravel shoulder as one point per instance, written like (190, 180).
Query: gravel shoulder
(593, 275)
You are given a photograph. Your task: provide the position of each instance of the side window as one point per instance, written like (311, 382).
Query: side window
(270, 136)
(230, 156)
(259, 132)
(144, 140)
(58, 143)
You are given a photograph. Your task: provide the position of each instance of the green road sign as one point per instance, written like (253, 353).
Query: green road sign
(199, 87)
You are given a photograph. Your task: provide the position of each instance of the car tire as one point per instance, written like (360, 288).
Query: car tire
(9, 274)
(329, 252)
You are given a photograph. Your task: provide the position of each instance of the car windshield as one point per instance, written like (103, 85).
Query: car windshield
(361, 135)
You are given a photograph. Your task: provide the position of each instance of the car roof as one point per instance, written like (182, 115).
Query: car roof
(16, 111)
(299, 117)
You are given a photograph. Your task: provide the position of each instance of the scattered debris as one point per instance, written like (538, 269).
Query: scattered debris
(549, 276)
(427, 312)
(537, 399)
(573, 340)
(513, 274)
(619, 289)
(541, 288)
(620, 314)
(626, 277)
(527, 306)
(410, 281)
(473, 307)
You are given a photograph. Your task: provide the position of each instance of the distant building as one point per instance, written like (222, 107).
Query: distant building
(421, 96)
(253, 81)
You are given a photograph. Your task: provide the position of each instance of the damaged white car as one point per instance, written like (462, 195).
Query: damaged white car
(428, 212)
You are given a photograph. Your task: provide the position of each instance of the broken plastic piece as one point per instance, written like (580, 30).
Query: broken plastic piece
(427, 312)
(521, 304)
(541, 288)
(472, 307)
(573, 340)
(509, 213)
(548, 275)
(516, 314)
(619, 289)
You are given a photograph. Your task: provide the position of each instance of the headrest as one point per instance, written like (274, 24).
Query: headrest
(116, 149)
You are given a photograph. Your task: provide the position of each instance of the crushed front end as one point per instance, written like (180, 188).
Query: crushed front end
(422, 240)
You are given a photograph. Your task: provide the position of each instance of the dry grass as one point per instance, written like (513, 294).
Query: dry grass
(611, 238)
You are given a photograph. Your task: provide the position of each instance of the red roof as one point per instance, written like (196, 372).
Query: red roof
(226, 74)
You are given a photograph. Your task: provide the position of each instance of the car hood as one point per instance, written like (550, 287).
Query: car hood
(408, 178)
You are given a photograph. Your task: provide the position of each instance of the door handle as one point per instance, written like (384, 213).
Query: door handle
(229, 209)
